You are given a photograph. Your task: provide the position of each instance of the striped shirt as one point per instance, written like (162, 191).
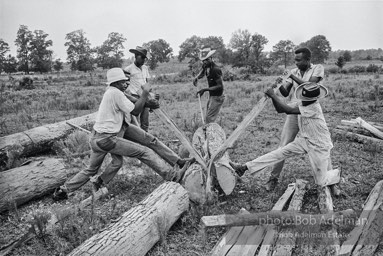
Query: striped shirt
(313, 70)
(313, 127)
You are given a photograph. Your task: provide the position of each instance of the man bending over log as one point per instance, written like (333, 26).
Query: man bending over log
(113, 134)
(313, 137)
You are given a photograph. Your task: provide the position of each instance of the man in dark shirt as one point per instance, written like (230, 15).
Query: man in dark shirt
(214, 78)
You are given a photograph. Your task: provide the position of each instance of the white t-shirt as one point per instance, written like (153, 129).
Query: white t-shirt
(114, 108)
(138, 77)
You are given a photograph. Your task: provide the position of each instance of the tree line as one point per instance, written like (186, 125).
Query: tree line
(244, 50)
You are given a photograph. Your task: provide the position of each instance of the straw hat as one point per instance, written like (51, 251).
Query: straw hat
(115, 75)
(206, 53)
(310, 91)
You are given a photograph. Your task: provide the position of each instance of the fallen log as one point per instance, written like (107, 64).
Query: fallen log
(353, 123)
(30, 181)
(353, 129)
(39, 139)
(369, 127)
(364, 238)
(358, 137)
(279, 218)
(56, 215)
(140, 228)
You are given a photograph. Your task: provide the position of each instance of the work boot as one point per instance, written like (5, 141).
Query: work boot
(59, 194)
(182, 161)
(179, 175)
(271, 184)
(97, 183)
(335, 190)
(240, 169)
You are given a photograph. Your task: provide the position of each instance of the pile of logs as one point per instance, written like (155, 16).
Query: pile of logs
(361, 131)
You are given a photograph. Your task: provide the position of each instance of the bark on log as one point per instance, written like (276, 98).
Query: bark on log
(27, 182)
(358, 137)
(143, 226)
(39, 139)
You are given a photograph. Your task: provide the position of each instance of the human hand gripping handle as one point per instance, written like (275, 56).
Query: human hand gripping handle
(201, 92)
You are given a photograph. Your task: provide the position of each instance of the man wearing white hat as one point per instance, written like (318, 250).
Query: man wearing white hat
(139, 75)
(313, 139)
(113, 134)
(214, 78)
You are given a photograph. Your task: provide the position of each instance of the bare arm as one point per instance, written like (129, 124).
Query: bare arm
(280, 106)
(140, 102)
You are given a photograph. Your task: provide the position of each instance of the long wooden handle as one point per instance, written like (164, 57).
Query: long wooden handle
(200, 108)
(165, 118)
(78, 127)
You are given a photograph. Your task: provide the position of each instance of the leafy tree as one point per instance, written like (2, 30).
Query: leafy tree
(283, 51)
(241, 42)
(260, 62)
(160, 52)
(4, 48)
(340, 62)
(320, 48)
(40, 56)
(347, 56)
(58, 65)
(79, 51)
(10, 64)
(23, 41)
(110, 53)
(191, 47)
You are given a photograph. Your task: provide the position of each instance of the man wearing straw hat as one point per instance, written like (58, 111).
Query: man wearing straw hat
(113, 134)
(139, 75)
(214, 78)
(313, 139)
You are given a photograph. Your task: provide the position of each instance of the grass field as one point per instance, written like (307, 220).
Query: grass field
(350, 96)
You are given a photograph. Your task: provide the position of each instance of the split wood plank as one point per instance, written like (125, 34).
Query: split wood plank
(369, 214)
(250, 236)
(285, 242)
(272, 217)
(353, 123)
(358, 137)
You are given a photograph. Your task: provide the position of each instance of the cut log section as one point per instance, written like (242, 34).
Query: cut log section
(207, 141)
(140, 228)
(364, 238)
(30, 181)
(39, 139)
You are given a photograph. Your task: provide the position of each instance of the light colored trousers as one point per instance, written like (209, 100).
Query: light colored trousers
(319, 159)
(214, 105)
(289, 132)
(135, 143)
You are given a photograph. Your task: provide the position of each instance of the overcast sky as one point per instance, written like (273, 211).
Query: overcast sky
(347, 25)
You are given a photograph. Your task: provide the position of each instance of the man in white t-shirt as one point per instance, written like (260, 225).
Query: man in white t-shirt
(113, 134)
(139, 75)
(304, 72)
